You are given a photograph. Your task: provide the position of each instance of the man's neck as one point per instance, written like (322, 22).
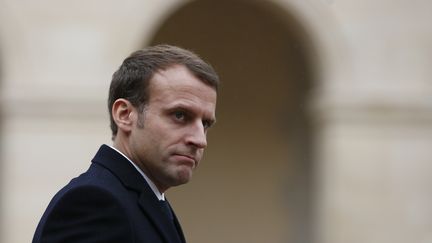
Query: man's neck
(160, 195)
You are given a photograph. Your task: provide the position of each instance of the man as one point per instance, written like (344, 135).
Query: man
(162, 102)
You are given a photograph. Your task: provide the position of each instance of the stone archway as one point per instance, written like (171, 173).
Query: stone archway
(255, 183)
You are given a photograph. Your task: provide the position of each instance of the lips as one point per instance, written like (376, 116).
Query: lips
(185, 158)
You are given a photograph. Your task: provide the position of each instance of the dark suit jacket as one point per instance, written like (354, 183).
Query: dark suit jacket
(111, 202)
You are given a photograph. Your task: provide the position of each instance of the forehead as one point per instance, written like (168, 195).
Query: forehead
(177, 84)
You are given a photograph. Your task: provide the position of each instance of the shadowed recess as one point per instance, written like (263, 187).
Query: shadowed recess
(255, 182)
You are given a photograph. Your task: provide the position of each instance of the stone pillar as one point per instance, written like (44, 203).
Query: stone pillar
(374, 173)
(375, 127)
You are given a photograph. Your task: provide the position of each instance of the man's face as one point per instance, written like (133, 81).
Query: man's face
(167, 141)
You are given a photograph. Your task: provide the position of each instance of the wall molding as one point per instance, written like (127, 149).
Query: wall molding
(50, 107)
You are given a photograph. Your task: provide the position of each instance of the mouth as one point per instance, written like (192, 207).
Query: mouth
(186, 159)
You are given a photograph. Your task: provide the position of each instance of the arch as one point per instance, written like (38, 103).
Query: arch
(261, 151)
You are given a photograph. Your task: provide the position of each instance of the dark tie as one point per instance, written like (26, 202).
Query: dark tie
(169, 213)
(167, 210)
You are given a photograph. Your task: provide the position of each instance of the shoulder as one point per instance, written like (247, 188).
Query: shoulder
(89, 212)
(86, 196)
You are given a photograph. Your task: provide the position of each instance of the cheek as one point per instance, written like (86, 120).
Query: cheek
(162, 134)
(200, 154)
(173, 138)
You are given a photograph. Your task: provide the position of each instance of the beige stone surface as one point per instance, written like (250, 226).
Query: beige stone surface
(370, 104)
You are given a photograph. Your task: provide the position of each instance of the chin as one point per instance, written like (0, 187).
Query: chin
(183, 177)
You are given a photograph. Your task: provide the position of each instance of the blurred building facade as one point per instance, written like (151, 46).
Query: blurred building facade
(324, 130)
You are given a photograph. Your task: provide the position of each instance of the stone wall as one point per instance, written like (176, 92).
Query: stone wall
(371, 107)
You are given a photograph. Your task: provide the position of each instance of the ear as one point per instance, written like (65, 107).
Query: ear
(122, 111)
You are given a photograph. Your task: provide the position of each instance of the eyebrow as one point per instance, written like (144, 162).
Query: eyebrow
(190, 109)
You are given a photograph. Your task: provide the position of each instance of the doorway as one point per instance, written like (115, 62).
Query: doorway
(255, 181)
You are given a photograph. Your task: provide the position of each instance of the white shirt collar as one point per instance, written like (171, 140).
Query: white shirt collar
(159, 195)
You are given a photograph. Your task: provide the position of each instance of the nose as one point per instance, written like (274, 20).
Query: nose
(197, 136)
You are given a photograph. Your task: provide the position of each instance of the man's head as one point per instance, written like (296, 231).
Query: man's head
(132, 79)
(162, 102)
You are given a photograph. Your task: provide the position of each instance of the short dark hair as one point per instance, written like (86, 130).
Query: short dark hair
(132, 79)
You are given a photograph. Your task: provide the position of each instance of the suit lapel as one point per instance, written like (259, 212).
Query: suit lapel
(159, 218)
(148, 202)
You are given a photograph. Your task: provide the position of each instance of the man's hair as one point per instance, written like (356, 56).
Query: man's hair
(132, 79)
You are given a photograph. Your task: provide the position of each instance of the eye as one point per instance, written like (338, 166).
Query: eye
(206, 124)
(179, 115)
